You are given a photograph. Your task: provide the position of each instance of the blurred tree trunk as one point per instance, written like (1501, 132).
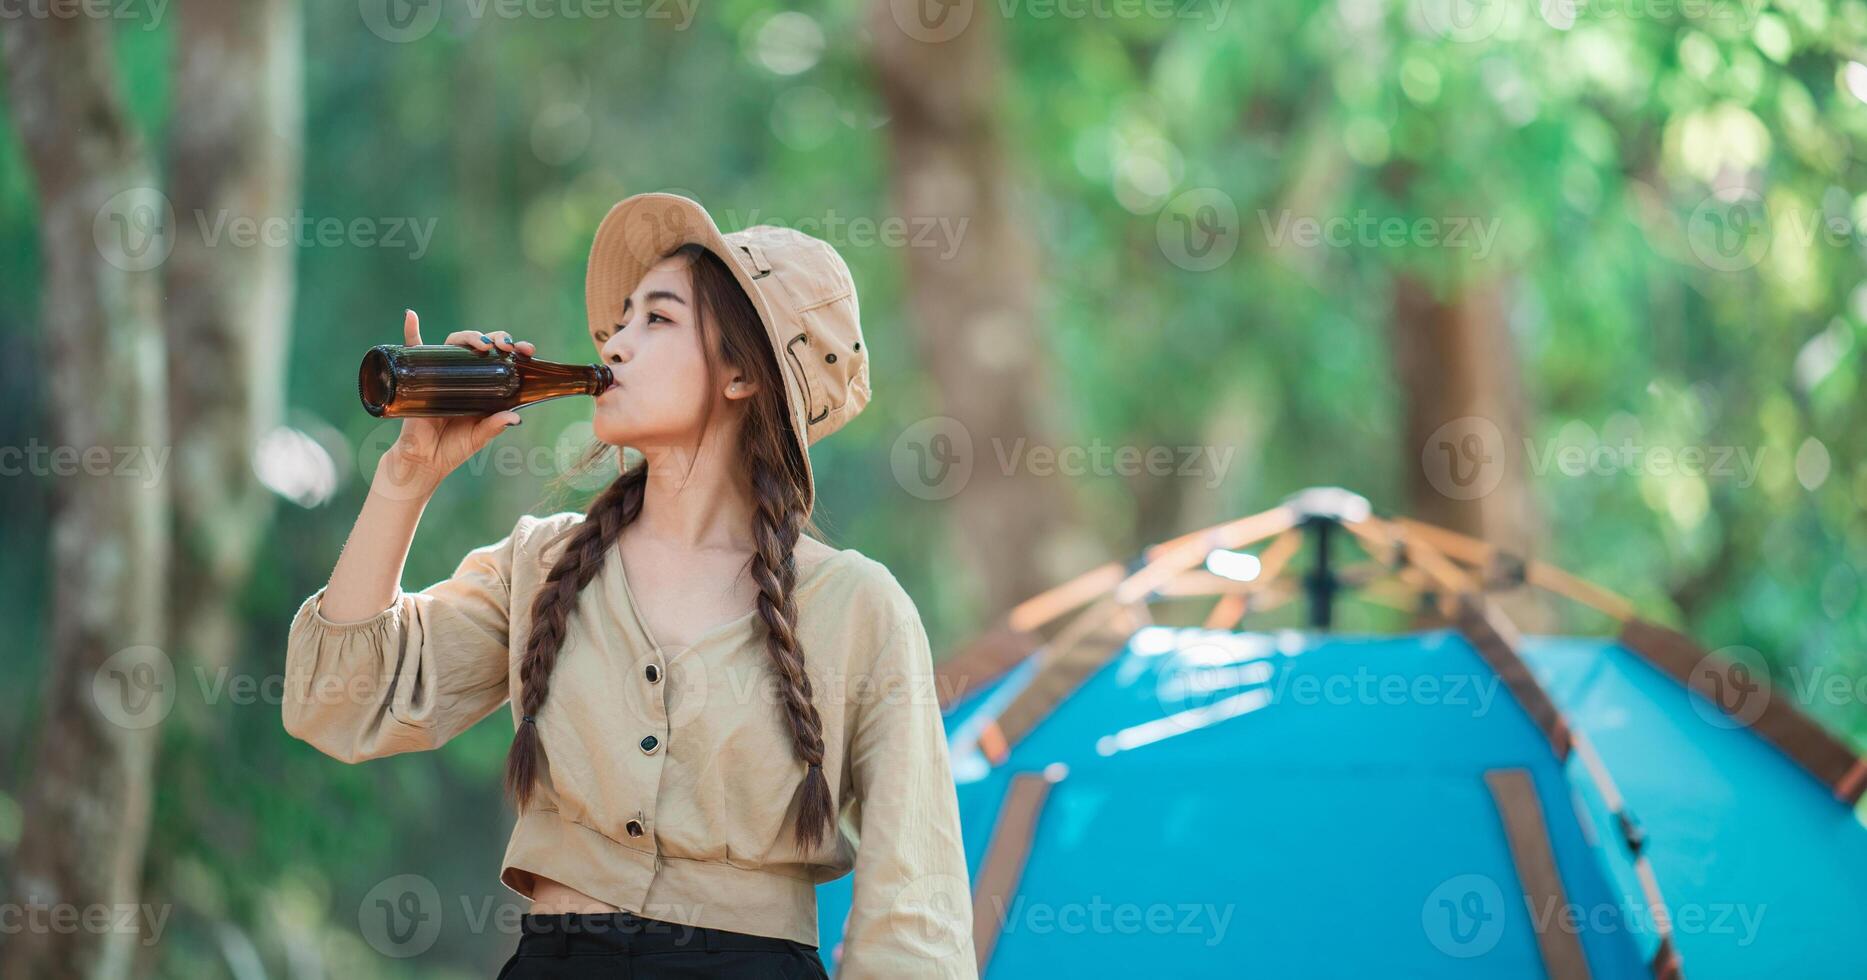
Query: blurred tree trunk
(973, 309)
(234, 157)
(1465, 421)
(86, 811)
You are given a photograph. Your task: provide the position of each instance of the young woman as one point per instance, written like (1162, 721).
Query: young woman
(715, 711)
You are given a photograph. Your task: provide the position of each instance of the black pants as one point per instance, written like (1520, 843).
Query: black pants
(626, 946)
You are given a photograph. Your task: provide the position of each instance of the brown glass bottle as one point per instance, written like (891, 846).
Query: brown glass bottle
(397, 381)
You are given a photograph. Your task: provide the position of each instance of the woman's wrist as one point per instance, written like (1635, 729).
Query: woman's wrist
(397, 478)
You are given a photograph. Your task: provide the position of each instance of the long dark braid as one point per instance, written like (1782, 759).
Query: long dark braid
(779, 519)
(776, 526)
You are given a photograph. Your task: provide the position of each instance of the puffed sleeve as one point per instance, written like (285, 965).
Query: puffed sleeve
(911, 908)
(414, 675)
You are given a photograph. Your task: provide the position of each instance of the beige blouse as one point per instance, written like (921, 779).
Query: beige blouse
(670, 777)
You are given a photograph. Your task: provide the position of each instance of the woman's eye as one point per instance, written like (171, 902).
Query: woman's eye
(652, 317)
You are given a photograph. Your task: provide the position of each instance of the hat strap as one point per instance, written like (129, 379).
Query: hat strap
(757, 255)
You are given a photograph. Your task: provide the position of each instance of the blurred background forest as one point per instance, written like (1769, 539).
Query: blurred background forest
(1581, 276)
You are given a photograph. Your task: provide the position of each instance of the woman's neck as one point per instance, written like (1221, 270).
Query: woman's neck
(696, 502)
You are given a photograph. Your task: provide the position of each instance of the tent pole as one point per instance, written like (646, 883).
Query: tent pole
(1321, 584)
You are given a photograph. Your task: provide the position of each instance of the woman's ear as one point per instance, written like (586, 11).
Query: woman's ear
(741, 388)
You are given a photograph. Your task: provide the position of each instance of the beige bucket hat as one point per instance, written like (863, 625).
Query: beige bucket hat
(799, 284)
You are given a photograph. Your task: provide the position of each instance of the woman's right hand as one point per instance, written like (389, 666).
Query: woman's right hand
(430, 448)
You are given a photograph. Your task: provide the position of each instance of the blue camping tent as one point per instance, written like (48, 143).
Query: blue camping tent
(1190, 801)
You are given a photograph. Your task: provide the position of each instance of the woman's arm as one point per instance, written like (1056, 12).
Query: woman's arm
(911, 913)
(411, 677)
(369, 570)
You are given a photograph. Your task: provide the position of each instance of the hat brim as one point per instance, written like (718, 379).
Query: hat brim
(637, 233)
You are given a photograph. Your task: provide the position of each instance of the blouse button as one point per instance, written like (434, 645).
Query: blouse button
(649, 742)
(634, 827)
(654, 673)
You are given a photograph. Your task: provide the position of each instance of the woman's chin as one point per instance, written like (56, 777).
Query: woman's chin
(611, 430)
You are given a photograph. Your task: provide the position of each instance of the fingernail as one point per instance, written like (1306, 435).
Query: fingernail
(486, 338)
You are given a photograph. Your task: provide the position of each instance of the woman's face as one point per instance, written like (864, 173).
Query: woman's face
(654, 351)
